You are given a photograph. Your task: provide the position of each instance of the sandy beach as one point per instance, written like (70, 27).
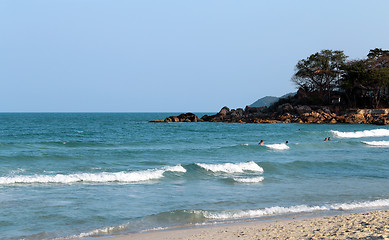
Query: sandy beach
(370, 225)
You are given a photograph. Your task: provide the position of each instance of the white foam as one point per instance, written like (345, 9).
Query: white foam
(261, 212)
(249, 180)
(280, 146)
(360, 134)
(16, 171)
(177, 168)
(294, 209)
(123, 177)
(356, 205)
(232, 167)
(97, 232)
(377, 143)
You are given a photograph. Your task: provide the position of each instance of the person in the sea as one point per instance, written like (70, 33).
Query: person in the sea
(287, 142)
(325, 139)
(329, 139)
(261, 142)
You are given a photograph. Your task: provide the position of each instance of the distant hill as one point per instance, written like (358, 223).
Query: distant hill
(265, 101)
(269, 100)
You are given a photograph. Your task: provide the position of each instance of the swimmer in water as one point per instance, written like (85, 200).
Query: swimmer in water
(329, 139)
(287, 142)
(261, 142)
(325, 139)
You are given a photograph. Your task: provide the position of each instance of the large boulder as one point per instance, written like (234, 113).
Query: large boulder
(381, 120)
(303, 109)
(354, 118)
(172, 119)
(250, 110)
(224, 111)
(188, 117)
(236, 115)
(285, 108)
(184, 117)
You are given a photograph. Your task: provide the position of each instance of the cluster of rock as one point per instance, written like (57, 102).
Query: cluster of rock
(184, 117)
(316, 114)
(286, 113)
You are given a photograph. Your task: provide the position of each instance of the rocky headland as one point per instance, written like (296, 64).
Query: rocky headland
(286, 113)
(293, 109)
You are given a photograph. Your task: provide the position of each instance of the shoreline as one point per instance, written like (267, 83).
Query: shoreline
(361, 225)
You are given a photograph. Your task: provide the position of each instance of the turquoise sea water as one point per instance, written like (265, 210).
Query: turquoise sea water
(77, 175)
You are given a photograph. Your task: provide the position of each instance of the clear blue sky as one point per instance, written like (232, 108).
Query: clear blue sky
(163, 56)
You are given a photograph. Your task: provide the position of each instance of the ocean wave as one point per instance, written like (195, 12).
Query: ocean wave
(377, 143)
(361, 134)
(279, 146)
(103, 177)
(232, 167)
(277, 210)
(249, 180)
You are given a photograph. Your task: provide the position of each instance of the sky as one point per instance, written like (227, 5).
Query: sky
(170, 55)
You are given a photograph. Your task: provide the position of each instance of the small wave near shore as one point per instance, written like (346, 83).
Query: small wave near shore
(278, 210)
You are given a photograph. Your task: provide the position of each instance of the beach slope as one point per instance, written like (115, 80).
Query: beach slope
(370, 225)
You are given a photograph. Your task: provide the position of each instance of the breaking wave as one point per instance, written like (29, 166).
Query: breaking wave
(280, 146)
(360, 134)
(237, 214)
(232, 167)
(103, 177)
(377, 143)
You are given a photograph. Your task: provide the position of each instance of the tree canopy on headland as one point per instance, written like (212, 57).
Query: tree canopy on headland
(332, 90)
(328, 78)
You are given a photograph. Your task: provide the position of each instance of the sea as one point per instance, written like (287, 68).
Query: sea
(93, 175)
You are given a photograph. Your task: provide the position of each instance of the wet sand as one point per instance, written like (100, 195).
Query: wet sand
(370, 225)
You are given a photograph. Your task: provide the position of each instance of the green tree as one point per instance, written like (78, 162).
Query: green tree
(378, 84)
(320, 72)
(353, 82)
(377, 53)
(377, 65)
(366, 82)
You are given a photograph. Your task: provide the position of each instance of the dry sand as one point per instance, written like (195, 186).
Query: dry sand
(371, 225)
